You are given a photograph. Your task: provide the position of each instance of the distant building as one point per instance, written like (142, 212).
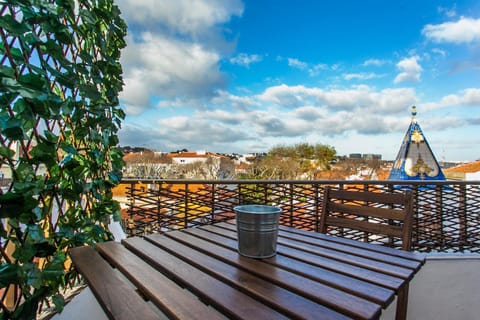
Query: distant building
(191, 157)
(415, 160)
(365, 156)
(371, 156)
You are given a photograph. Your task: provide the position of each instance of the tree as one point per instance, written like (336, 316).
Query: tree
(293, 162)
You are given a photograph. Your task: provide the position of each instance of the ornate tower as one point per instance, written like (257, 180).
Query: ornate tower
(415, 160)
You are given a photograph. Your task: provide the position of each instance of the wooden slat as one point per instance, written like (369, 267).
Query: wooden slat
(354, 256)
(375, 228)
(413, 256)
(177, 304)
(117, 297)
(346, 303)
(367, 196)
(364, 211)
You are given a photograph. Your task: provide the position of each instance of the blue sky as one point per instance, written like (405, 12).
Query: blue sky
(244, 76)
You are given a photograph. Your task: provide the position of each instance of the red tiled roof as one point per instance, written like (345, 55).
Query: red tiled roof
(195, 155)
(189, 155)
(465, 168)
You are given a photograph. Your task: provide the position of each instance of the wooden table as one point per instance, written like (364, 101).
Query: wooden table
(197, 274)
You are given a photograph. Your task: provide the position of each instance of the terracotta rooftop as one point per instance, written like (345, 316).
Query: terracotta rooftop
(465, 168)
(189, 155)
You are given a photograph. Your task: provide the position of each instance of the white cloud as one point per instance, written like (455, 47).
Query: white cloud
(173, 52)
(357, 97)
(464, 30)
(295, 63)
(449, 12)
(361, 76)
(243, 103)
(466, 97)
(313, 70)
(374, 62)
(184, 16)
(164, 67)
(440, 52)
(289, 95)
(409, 69)
(245, 60)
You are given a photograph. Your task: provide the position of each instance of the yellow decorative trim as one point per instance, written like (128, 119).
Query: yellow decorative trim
(420, 168)
(417, 137)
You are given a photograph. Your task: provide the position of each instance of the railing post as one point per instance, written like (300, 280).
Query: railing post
(415, 224)
(130, 220)
(213, 203)
(239, 195)
(291, 204)
(462, 217)
(265, 193)
(317, 206)
(185, 216)
(437, 223)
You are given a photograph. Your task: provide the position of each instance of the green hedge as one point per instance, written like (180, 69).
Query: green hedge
(59, 82)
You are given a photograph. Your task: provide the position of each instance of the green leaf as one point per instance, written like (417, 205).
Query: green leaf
(9, 274)
(6, 71)
(44, 249)
(34, 276)
(24, 253)
(36, 233)
(9, 23)
(6, 152)
(11, 204)
(13, 129)
(44, 152)
(12, 85)
(59, 302)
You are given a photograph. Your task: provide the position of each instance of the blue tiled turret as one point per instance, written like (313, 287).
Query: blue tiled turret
(415, 160)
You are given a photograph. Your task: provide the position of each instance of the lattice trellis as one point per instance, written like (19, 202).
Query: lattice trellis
(60, 79)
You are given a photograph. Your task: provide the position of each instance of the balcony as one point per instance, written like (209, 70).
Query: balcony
(446, 227)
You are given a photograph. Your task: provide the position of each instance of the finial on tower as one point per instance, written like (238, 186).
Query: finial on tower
(414, 113)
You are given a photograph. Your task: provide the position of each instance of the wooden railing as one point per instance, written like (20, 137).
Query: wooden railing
(447, 213)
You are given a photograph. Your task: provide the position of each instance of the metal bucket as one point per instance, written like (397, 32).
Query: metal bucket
(257, 229)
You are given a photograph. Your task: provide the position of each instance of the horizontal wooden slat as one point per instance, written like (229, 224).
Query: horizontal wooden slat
(364, 211)
(419, 258)
(375, 228)
(177, 304)
(117, 297)
(367, 196)
(355, 256)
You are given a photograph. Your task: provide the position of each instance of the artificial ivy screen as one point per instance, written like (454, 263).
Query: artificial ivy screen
(59, 82)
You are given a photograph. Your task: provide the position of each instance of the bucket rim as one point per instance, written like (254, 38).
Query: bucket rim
(257, 209)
